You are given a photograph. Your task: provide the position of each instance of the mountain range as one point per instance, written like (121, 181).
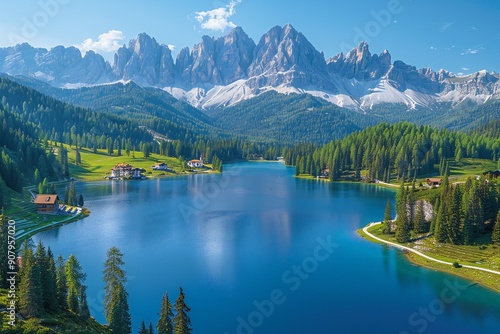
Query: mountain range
(221, 72)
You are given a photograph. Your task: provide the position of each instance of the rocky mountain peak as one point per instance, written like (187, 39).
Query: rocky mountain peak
(360, 64)
(145, 61)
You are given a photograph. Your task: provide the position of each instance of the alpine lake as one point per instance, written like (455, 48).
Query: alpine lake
(259, 251)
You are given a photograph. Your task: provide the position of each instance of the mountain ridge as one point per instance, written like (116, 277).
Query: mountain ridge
(223, 71)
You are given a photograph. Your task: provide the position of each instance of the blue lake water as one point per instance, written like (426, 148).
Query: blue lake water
(258, 251)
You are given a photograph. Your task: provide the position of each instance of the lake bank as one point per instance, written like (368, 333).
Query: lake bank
(487, 277)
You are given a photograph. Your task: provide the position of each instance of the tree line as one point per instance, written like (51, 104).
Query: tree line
(400, 151)
(461, 212)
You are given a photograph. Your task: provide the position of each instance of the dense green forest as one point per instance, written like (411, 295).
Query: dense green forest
(23, 156)
(402, 150)
(462, 212)
(291, 118)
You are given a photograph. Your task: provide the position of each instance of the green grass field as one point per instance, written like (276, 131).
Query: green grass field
(95, 166)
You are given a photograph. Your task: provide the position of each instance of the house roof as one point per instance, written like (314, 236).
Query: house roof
(46, 199)
(434, 179)
(195, 161)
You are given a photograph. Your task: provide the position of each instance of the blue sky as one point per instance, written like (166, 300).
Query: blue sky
(460, 36)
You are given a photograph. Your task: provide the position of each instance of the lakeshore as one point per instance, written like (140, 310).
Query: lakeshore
(486, 274)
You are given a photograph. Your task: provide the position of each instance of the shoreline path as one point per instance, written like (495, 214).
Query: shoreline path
(365, 230)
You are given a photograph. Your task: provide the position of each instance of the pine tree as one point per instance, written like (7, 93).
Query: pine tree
(46, 264)
(30, 294)
(143, 329)
(78, 157)
(182, 323)
(61, 285)
(440, 224)
(467, 229)
(119, 321)
(388, 217)
(74, 279)
(420, 223)
(403, 233)
(66, 195)
(115, 301)
(51, 288)
(495, 237)
(84, 306)
(454, 220)
(165, 325)
(72, 200)
(80, 201)
(151, 330)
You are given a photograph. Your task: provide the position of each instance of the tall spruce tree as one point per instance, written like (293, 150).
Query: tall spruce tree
(495, 237)
(74, 280)
(420, 223)
(440, 224)
(61, 284)
(119, 321)
(84, 306)
(467, 228)
(165, 325)
(388, 217)
(182, 322)
(30, 290)
(403, 232)
(143, 329)
(454, 216)
(151, 330)
(115, 300)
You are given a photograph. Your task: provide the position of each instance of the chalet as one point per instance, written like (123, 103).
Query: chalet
(160, 166)
(124, 170)
(137, 173)
(46, 204)
(492, 174)
(434, 181)
(121, 170)
(196, 163)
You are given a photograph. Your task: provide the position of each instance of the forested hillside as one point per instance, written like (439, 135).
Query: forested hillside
(23, 159)
(291, 118)
(401, 150)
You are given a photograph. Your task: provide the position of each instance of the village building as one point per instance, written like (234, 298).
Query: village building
(434, 181)
(124, 170)
(196, 163)
(46, 204)
(160, 166)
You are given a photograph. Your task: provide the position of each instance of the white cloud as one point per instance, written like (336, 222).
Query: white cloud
(218, 18)
(107, 42)
(465, 68)
(446, 26)
(433, 48)
(474, 28)
(471, 51)
(171, 47)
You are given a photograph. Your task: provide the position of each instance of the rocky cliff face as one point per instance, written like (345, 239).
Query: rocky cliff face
(144, 61)
(223, 71)
(285, 57)
(360, 64)
(58, 66)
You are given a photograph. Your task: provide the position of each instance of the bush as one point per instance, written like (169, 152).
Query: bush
(457, 265)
